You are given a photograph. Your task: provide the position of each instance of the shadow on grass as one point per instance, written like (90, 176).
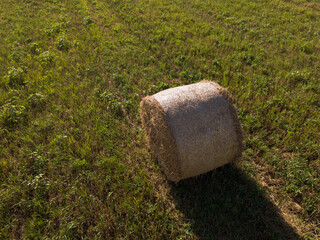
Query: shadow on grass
(227, 204)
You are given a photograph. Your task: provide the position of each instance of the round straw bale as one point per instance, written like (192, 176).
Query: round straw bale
(192, 129)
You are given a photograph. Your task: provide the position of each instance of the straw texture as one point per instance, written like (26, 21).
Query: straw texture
(192, 129)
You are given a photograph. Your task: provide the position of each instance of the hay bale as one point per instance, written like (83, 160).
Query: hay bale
(191, 129)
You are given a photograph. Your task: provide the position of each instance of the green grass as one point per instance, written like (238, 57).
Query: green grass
(73, 157)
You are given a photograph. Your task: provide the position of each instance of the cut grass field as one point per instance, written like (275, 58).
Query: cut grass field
(73, 157)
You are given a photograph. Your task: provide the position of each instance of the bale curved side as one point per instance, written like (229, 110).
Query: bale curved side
(224, 92)
(160, 137)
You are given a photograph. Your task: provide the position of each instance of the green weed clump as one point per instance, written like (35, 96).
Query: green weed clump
(63, 43)
(12, 115)
(36, 100)
(34, 47)
(46, 58)
(88, 20)
(15, 77)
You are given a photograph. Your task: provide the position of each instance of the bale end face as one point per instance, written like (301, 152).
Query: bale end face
(159, 137)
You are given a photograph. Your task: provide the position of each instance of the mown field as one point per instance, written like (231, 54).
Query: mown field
(73, 157)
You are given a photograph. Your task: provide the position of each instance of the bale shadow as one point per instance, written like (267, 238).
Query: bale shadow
(227, 204)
